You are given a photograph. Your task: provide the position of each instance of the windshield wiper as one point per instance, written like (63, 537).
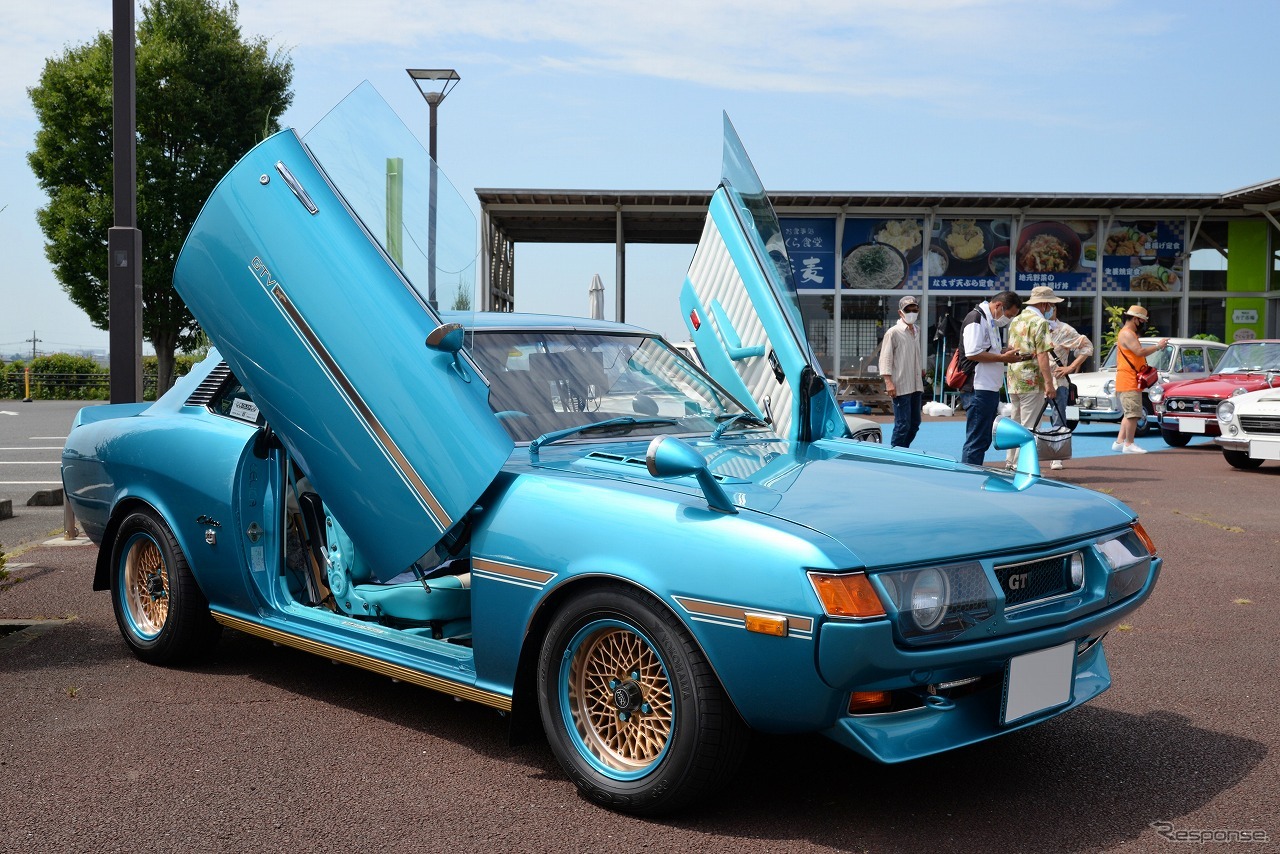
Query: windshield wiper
(624, 421)
(728, 421)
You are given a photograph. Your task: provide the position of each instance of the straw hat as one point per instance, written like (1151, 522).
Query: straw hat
(1042, 294)
(1136, 311)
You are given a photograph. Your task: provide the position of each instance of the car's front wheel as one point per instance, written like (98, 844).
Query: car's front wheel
(632, 709)
(1174, 438)
(160, 610)
(1241, 460)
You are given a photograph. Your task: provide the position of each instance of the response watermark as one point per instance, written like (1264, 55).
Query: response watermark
(1202, 835)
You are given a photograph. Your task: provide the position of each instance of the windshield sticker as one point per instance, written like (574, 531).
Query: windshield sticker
(245, 410)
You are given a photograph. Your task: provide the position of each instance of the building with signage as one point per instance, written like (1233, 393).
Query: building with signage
(1205, 264)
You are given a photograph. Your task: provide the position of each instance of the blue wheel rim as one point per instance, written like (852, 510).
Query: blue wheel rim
(616, 699)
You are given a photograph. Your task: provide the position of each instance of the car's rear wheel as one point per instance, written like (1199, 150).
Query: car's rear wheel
(1174, 438)
(631, 708)
(160, 610)
(1241, 460)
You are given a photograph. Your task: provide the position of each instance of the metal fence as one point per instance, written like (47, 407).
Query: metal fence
(16, 384)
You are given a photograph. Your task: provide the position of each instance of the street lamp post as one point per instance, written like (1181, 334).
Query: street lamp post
(434, 84)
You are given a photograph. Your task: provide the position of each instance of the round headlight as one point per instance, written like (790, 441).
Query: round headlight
(1156, 393)
(1077, 570)
(1239, 391)
(930, 594)
(1226, 411)
(1109, 387)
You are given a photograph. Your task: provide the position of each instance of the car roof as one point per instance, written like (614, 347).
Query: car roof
(1187, 342)
(504, 320)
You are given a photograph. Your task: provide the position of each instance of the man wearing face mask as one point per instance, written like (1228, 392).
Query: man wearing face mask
(1132, 357)
(902, 368)
(983, 347)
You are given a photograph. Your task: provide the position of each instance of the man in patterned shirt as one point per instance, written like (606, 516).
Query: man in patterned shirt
(1029, 380)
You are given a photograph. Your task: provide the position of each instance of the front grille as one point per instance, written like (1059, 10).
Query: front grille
(1035, 580)
(1201, 405)
(1266, 424)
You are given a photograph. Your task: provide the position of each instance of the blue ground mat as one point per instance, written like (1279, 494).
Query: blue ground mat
(945, 437)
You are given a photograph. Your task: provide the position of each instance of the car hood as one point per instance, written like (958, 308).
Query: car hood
(886, 506)
(1216, 386)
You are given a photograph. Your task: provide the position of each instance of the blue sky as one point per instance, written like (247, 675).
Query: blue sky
(828, 95)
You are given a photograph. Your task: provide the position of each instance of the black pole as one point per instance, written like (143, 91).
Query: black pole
(431, 213)
(124, 240)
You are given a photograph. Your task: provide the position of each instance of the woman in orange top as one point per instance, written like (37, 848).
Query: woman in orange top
(1131, 358)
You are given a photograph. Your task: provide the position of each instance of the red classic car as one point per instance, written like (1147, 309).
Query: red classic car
(1188, 409)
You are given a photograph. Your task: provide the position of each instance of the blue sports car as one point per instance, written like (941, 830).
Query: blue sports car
(567, 520)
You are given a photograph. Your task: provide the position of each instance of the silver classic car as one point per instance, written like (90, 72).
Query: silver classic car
(1183, 359)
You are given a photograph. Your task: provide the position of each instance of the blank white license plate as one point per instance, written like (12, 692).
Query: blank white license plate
(1264, 450)
(1191, 425)
(1073, 413)
(1037, 682)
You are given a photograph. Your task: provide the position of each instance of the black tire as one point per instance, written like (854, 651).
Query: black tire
(632, 710)
(161, 612)
(1241, 460)
(1173, 438)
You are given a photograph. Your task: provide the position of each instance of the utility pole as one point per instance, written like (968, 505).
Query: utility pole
(34, 341)
(124, 240)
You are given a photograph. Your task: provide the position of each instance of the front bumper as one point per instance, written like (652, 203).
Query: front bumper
(1098, 407)
(865, 658)
(1173, 424)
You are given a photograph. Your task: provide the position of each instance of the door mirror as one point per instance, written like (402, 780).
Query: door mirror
(447, 338)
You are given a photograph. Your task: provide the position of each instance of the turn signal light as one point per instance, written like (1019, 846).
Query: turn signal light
(767, 624)
(866, 701)
(847, 595)
(1145, 537)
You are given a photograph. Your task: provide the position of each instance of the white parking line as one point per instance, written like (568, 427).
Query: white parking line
(35, 448)
(30, 483)
(33, 438)
(28, 463)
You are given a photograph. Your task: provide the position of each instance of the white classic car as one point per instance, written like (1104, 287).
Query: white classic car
(1183, 359)
(1250, 426)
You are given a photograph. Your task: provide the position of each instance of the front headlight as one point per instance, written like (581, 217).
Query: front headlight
(936, 603)
(1226, 412)
(930, 595)
(1156, 393)
(1128, 557)
(1109, 387)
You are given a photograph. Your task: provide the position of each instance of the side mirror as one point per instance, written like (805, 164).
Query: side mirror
(449, 338)
(670, 457)
(1007, 433)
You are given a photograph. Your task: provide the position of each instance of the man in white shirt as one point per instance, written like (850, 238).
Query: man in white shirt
(983, 346)
(902, 368)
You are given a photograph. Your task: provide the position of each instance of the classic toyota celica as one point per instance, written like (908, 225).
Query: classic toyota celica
(567, 520)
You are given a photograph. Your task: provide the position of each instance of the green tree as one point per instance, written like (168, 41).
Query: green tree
(205, 94)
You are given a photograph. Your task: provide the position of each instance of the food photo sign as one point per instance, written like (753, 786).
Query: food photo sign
(960, 254)
(1142, 255)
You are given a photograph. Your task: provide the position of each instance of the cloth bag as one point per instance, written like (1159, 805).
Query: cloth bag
(1052, 443)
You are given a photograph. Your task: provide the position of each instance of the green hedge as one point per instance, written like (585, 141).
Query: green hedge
(61, 376)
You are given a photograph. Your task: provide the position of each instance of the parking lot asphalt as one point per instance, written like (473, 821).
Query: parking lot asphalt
(267, 748)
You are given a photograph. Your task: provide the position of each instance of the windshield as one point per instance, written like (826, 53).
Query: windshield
(1158, 360)
(1253, 356)
(548, 380)
(389, 182)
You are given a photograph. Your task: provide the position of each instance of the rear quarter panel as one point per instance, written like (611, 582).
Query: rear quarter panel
(181, 464)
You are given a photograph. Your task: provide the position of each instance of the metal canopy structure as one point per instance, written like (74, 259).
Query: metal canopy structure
(511, 216)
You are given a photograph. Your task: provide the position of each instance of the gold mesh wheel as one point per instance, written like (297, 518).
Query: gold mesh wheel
(146, 581)
(620, 698)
